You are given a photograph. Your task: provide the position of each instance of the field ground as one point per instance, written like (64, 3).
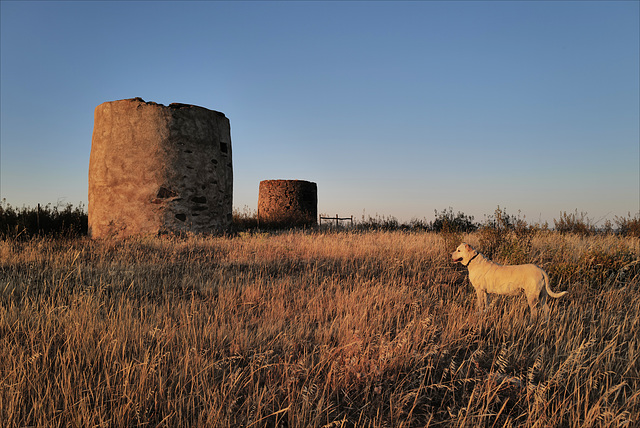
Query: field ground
(323, 329)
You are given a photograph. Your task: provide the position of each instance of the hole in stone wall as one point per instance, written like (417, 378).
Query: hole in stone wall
(200, 208)
(223, 147)
(199, 199)
(164, 193)
(181, 217)
(213, 161)
(188, 151)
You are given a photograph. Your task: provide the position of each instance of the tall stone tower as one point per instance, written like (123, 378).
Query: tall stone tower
(156, 169)
(287, 203)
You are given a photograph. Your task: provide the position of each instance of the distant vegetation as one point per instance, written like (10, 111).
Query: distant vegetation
(72, 221)
(47, 220)
(448, 222)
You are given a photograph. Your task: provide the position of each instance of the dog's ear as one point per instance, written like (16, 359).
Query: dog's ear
(467, 246)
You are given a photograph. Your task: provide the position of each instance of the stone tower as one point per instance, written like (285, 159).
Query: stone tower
(156, 169)
(287, 203)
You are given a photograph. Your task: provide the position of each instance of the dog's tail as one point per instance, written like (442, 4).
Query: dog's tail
(548, 287)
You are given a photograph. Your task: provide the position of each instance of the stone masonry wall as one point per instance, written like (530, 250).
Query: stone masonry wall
(287, 203)
(156, 169)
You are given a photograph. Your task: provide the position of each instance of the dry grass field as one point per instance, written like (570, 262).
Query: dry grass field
(314, 329)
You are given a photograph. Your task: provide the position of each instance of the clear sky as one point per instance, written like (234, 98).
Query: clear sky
(393, 108)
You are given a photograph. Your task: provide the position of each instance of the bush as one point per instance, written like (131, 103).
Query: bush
(245, 219)
(628, 226)
(379, 223)
(42, 221)
(447, 222)
(572, 223)
(506, 237)
(452, 226)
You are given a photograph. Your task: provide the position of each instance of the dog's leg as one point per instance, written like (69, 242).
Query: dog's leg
(532, 299)
(545, 305)
(482, 300)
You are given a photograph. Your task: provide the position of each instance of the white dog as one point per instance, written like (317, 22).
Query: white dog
(488, 277)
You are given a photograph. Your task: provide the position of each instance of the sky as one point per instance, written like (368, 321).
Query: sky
(393, 108)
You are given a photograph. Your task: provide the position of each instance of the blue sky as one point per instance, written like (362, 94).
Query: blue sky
(393, 108)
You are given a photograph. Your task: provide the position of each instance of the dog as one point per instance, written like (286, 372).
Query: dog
(489, 277)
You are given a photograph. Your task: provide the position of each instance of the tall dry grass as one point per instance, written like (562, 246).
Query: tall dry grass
(301, 329)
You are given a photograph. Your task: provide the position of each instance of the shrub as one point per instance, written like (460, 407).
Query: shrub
(446, 221)
(628, 226)
(378, 223)
(44, 221)
(506, 237)
(452, 226)
(574, 223)
(245, 219)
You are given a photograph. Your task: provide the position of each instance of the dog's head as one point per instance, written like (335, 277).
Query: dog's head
(463, 254)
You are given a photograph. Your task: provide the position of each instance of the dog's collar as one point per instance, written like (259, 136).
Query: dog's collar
(467, 265)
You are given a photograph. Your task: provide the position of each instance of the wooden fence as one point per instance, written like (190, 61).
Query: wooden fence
(336, 219)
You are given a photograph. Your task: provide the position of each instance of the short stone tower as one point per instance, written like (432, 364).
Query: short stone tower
(156, 169)
(287, 203)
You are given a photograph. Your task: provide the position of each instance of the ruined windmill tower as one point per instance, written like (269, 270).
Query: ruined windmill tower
(156, 169)
(287, 203)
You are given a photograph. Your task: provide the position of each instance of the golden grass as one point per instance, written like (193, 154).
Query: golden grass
(301, 329)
